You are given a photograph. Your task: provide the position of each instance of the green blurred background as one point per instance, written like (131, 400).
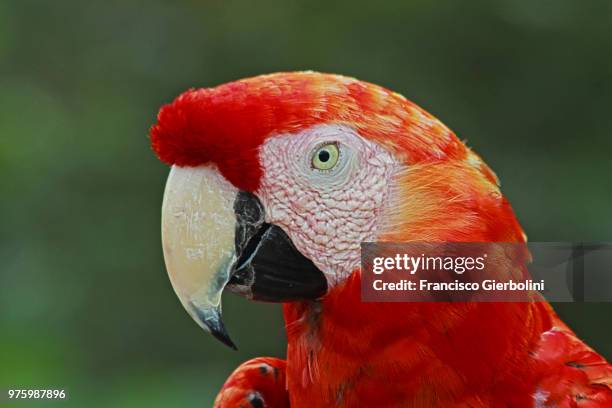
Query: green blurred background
(85, 303)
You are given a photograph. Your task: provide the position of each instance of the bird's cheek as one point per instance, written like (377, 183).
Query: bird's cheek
(300, 204)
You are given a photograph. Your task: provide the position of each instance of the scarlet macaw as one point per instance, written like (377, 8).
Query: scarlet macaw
(275, 182)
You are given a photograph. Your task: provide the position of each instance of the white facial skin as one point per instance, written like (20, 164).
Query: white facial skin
(326, 213)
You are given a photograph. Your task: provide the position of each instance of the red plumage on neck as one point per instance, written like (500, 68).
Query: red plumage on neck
(435, 353)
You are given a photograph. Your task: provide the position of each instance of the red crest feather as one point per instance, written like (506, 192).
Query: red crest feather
(227, 124)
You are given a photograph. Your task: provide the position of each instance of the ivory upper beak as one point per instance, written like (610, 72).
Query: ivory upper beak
(198, 233)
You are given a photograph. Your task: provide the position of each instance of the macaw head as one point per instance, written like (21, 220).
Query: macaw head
(277, 179)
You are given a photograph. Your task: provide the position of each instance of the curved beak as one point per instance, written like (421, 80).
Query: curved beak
(198, 240)
(215, 236)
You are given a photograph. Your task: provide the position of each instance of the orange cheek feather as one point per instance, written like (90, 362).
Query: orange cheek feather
(450, 201)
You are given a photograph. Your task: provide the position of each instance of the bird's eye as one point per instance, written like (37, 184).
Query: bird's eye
(326, 156)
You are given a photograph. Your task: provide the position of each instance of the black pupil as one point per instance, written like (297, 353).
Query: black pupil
(324, 156)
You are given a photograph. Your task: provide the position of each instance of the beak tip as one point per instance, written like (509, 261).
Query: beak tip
(224, 338)
(210, 319)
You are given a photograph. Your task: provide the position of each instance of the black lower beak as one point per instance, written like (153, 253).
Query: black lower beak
(269, 267)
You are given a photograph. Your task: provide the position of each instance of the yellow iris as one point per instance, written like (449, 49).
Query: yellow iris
(326, 157)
